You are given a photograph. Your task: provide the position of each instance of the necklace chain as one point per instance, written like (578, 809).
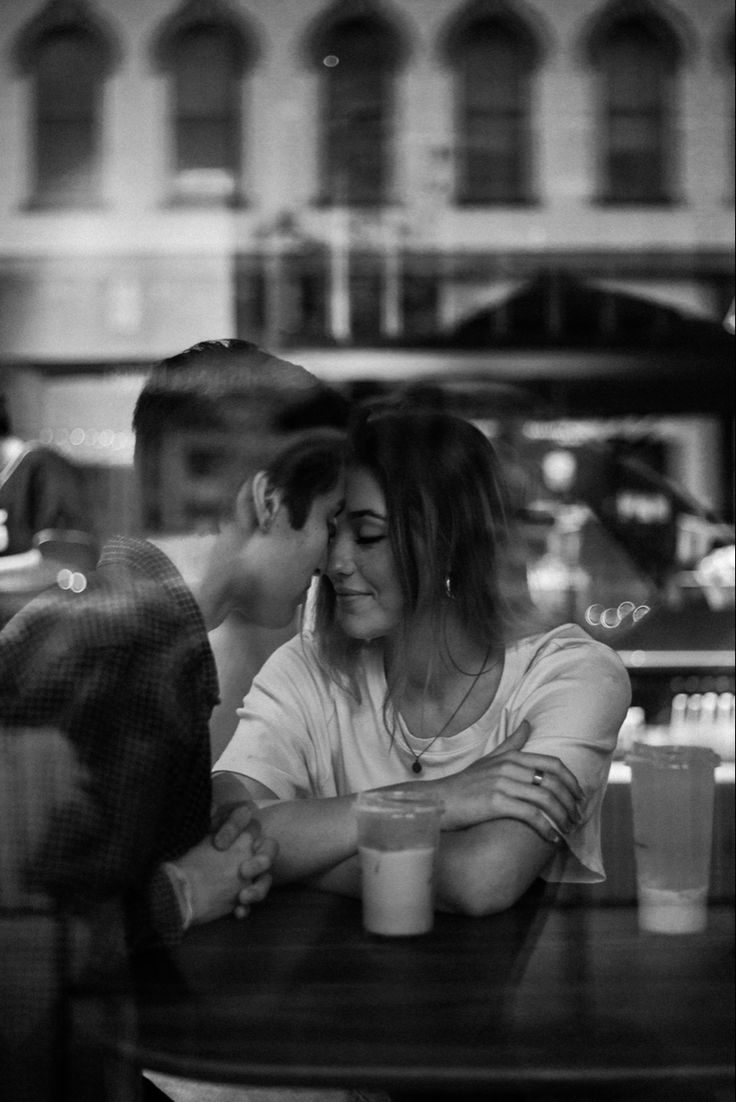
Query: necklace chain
(416, 766)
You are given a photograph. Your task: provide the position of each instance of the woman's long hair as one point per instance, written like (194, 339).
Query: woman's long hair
(448, 523)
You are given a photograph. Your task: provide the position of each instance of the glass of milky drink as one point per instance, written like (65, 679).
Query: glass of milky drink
(672, 795)
(398, 833)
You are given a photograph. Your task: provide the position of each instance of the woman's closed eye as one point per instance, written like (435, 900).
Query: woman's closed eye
(369, 538)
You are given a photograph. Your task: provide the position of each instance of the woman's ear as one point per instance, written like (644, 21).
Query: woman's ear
(266, 500)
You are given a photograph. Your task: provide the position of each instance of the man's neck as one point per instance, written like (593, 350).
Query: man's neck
(190, 555)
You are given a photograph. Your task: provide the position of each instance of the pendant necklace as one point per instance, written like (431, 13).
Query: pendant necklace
(416, 766)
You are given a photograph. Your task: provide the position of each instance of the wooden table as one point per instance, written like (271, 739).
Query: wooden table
(567, 996)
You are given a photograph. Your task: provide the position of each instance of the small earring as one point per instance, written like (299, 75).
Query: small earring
(448, 588)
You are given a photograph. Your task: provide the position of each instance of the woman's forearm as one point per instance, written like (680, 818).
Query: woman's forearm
(313, 835)
(487, 868)
(343, 879)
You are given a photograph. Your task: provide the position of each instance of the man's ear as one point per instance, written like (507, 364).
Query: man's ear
(266, 500)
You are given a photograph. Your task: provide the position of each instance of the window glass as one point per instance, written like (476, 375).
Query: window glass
(638, 94)
(357, 109)
(205, 78)
(68, 87)
(493, 137)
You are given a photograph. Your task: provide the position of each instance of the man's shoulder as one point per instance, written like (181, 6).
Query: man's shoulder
(101, 614)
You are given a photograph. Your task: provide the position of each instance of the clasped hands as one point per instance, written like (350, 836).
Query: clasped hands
(229, 870)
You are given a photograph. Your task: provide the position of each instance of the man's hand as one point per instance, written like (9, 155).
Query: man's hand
(233, 815)
(256, 889)
(230, 880)
(510, 783)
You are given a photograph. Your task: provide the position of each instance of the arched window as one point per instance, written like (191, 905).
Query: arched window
(636, 65)
(493, 57)
(204, 57)
(357, 58)
(67, 60)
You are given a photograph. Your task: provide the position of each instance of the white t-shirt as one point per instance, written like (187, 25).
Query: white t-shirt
(303, 736)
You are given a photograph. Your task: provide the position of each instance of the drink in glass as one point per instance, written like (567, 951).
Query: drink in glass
(398, 833)
(672, 794)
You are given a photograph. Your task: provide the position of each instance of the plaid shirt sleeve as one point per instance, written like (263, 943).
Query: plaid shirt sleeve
(118, 675)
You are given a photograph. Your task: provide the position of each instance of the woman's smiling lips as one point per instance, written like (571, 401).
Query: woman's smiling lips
(350, 594)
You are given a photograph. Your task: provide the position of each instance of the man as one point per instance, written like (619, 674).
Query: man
(240, 469)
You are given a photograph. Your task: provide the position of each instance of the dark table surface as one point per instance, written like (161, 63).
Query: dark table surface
(564, 994)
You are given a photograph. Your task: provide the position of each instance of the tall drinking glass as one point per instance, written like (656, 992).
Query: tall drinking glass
(672, 794)
(398, 834)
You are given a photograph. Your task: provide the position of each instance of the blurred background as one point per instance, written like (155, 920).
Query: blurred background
(520, 210)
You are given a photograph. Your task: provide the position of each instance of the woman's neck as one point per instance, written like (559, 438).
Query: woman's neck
(442, 689)
(432, 666)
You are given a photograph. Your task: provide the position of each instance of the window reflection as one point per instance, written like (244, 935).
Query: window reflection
(204, 50)
(424, 212)
(357, 58)
(205, 70)
(637, 62)
(493, 63)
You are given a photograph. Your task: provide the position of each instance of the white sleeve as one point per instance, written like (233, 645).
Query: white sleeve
(575, 695)
(283, 725)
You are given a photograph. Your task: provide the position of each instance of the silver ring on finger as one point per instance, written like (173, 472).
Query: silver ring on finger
(537, 777)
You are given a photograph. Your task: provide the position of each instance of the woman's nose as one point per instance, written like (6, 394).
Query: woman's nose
(339, 558)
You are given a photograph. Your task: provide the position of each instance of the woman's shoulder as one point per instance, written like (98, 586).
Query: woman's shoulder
(299, 651)
(567, 663)
(567, 644)
(296, 664)
(299, 663)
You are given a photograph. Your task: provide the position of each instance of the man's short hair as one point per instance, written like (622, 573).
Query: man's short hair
(209, 417)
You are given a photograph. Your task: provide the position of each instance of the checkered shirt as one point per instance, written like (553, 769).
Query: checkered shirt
(124, 672)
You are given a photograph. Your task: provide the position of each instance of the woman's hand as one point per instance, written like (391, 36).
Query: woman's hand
(510, 783)
(233, 811)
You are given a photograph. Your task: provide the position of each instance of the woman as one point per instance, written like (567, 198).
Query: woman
(418, 672)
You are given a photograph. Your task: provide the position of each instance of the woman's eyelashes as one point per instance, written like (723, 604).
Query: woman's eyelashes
(366, 540)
